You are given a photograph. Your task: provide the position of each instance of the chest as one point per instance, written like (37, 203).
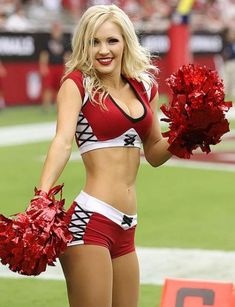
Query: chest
(119, 117)
(128, 101)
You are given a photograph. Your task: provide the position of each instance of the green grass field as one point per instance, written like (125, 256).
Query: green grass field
(25, 115)
(178, 207)
(40, 293)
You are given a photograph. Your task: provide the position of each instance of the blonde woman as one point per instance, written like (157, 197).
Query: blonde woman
(107, 101)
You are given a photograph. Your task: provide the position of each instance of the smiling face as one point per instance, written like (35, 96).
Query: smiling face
(107, 49)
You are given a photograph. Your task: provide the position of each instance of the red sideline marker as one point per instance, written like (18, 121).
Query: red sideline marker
(197, 293)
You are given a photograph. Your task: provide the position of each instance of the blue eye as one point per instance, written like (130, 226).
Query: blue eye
(113, 40)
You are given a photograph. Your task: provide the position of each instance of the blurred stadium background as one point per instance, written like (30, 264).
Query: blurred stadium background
(184, 206)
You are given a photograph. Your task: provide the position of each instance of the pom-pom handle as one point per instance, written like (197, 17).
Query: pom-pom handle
(52, 192)
(36, 237)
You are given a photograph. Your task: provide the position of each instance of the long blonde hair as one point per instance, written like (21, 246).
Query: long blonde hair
(136, 62)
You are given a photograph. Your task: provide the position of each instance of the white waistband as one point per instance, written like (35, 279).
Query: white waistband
(93, 204)
(129, 138)
(105, 144)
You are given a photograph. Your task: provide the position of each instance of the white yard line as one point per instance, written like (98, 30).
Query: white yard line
(156, 264)
(231, 112)
(25, 134)
(209, 166)
(33, 133)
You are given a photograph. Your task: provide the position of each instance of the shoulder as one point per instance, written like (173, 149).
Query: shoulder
(154, 90)
(69, 96)
(148, 83)
(75, 75)
(78, 78)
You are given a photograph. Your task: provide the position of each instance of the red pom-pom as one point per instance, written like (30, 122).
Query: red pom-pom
(196, 114)
(35, 238)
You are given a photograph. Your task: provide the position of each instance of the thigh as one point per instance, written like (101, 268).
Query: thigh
(88, 274)
(126, 281)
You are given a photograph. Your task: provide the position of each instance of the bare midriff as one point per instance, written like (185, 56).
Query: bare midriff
(111, 175)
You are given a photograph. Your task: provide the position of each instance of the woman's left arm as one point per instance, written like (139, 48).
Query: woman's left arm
(155, 146)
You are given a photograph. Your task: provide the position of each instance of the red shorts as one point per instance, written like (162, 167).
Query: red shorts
(53, 79)
(97, 223)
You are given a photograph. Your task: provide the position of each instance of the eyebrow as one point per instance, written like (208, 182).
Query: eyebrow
(116, 37)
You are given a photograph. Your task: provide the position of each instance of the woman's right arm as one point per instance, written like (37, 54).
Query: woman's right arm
(69, 104)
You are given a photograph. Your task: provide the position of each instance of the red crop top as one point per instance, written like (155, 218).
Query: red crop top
(98, 128)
